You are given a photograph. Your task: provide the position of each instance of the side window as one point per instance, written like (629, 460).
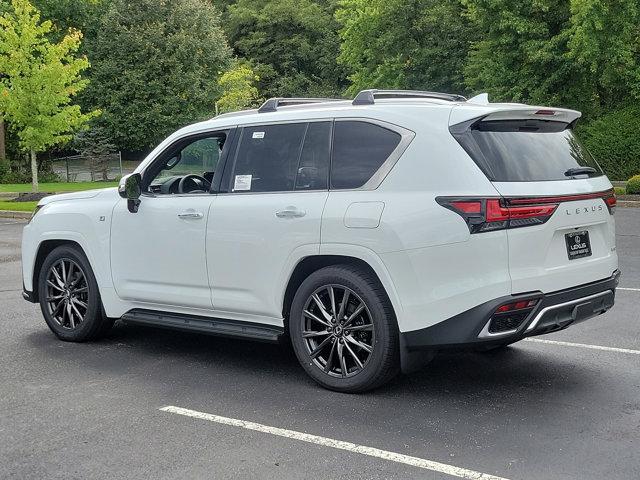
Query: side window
(197, 160)
(267, 158)
(359, 149)
(313, 168)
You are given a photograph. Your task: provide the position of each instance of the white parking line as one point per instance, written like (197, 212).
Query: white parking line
(329, 442)
(584, 345)
(628, 289)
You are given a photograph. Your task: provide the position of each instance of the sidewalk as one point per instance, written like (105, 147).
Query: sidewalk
(20, 215)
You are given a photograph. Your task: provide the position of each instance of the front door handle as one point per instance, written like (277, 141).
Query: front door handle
(190, 214)
(290, 212)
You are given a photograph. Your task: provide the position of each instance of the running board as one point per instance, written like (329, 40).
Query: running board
(208, 325)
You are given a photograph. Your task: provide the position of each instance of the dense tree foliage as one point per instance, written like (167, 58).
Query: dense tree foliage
(613, 140)
(238, 88)
(520, 54)
(83, 15)
(292, 45)
(161, 64)
(39, 80)
(156, 65)
(415, 44)
(605, 44)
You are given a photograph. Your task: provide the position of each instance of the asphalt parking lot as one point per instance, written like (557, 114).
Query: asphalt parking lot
(559, 409)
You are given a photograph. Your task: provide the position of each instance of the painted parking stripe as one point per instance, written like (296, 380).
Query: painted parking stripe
(339, 444)
(584, 345)
(628, 289)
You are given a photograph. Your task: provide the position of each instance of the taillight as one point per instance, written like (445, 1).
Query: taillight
(611, 201)
(489, 214)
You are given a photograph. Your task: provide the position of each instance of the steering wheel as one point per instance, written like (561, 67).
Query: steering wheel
(206, 185)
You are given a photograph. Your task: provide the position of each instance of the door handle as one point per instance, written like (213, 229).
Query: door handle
(190, 214)
(290, 212)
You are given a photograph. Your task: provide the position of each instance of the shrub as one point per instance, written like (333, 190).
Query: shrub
(614, 140)
(15, 177)
(47, 177)
(633, 185)
(4, 168)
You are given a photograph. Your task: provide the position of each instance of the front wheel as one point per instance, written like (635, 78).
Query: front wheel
(343, 329)
(69, 296)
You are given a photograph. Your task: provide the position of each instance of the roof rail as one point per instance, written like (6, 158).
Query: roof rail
(272, 104)
(367, 97)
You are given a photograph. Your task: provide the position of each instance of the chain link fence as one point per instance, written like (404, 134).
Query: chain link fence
(80, 168)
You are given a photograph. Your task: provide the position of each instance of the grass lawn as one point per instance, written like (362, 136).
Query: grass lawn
(18, 206)
(56, 187)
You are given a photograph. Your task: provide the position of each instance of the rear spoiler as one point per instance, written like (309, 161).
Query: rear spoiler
(463, 113)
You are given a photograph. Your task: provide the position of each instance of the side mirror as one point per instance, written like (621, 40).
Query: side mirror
(130, 187)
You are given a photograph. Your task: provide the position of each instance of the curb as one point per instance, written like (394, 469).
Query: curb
(17, 215)
(628, 204)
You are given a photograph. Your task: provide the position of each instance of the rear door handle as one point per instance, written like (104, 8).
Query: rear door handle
(190, 214)
(290, 212)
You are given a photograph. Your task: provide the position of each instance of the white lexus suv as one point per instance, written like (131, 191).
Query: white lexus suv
(372, 233)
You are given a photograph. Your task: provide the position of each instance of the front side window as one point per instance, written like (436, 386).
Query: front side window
(189, 167)
(359, 150)
(268, 159)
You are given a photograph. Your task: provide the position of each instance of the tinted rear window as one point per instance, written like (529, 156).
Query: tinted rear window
(359, 150)
(526, 150)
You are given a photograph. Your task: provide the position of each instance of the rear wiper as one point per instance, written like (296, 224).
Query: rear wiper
(580, 171)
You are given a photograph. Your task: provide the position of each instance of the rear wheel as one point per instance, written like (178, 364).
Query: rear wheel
(343, 330)
(69, 296)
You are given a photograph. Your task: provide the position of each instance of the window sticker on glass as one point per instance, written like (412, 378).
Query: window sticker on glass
(242, 183)
(258, 135)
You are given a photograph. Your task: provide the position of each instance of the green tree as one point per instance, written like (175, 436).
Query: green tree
(39, 80)
(605, 44)
(613, 139)
(96, 147)
(156, 65)
(414, 44)
(521, 53)
(291, 44)
(238, 88)
(83, 15)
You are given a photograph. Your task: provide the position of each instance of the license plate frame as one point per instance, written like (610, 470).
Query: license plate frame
(578, 244)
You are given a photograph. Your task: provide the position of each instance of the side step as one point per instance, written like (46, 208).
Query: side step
(208, 325)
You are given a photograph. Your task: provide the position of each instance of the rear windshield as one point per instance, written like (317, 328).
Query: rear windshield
(527, 151)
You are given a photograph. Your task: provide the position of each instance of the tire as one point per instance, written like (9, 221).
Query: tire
(374, 327)
(75, 314)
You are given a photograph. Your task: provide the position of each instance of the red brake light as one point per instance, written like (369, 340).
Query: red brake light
(488, 214)
(519, 305)
(611, 202)
(468, 207)
(495, 212)
(545, 112)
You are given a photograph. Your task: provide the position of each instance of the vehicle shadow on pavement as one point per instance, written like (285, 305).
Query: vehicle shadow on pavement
(507, 374)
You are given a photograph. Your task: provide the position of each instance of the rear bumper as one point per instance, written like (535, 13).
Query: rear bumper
(554, 311)
(28, 296)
